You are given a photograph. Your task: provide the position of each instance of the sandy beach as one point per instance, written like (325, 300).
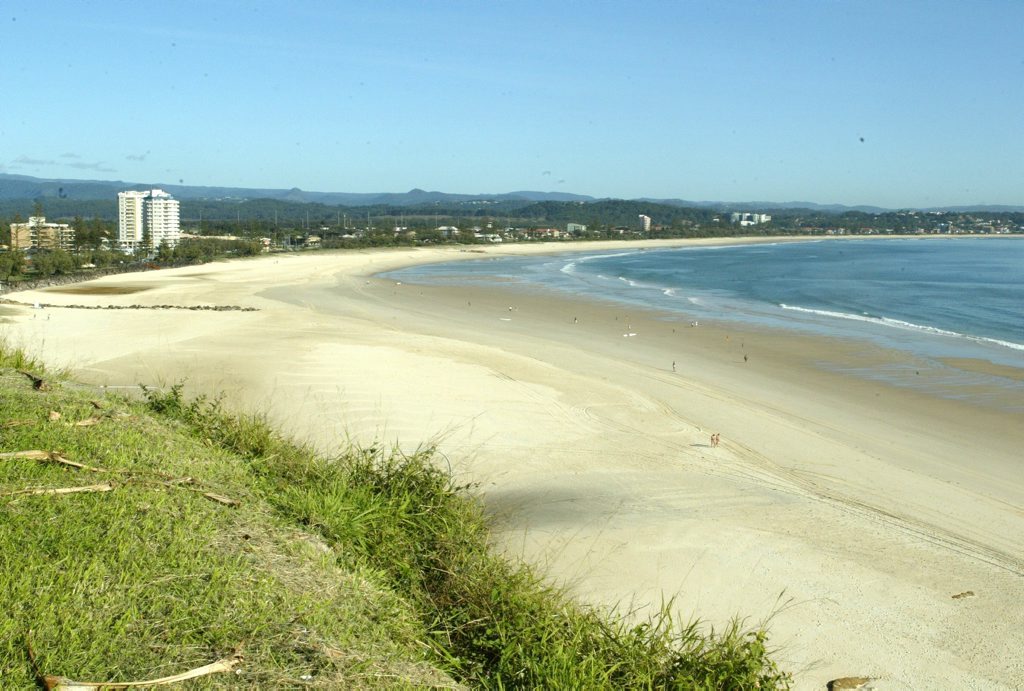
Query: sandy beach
(881, 529)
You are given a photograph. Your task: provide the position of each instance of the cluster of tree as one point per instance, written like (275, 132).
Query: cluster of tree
(387, 237)
(615, 213)
(199, 250)
(42, 263)
(92, 232)
(12, 264)
(53, 262)
(799, 220)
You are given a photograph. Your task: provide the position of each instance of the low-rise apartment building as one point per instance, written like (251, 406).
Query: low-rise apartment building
(38, 234)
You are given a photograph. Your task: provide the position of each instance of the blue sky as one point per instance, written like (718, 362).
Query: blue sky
(895, 104)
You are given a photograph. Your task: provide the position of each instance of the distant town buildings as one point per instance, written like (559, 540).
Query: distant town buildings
(645, 223)
(575, 228)
(488, 237)
(540, 233)
(747, 219)
(38, 234)
(147, 219)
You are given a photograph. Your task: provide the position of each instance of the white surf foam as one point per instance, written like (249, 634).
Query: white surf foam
(901, 324)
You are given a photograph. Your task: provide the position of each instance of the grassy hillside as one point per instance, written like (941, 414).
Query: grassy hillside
(144, 538)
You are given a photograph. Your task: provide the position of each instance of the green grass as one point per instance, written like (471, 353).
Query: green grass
(150, 580)
(369, 569)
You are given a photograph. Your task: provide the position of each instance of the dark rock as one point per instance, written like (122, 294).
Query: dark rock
(847, 683)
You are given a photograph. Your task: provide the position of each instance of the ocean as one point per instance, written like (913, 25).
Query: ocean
(937, 299)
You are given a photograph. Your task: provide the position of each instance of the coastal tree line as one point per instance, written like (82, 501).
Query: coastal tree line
(43, 263)
(291, 225)
(265, 217)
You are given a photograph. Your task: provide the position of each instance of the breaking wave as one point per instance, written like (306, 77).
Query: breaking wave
(901, 324)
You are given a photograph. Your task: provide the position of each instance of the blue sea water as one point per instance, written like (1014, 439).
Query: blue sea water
(933, 297)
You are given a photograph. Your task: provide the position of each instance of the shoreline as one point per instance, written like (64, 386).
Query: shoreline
(827, 496)
(961, 365)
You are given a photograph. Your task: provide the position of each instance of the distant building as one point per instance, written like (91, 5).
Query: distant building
(536, 233)
(575, 228)
(748, 219)
(489, 237)
(38, 234)
(196, 236)
(645, 223)
(147, 218)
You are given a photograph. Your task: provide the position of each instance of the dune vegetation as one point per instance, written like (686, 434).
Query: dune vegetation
(149, 536)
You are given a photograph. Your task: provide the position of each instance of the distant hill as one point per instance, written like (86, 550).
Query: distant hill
(21, 187)
(768, 206)
(27, 187)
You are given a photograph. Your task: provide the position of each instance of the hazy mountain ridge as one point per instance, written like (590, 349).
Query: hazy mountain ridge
(27, 187)
(768, 206)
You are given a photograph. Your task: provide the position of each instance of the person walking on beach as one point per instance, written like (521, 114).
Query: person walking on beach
(673, 365)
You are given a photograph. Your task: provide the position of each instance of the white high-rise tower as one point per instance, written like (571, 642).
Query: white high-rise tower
(148, 218)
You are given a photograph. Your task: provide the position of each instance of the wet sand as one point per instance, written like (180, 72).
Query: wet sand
(90, 288)
(851, 509)
(986, 367)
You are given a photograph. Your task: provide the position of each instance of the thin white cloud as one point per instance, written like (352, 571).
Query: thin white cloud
(100, 166)
(24, 161)
(137, 157)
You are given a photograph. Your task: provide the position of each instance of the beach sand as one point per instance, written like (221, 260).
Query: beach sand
(849, 511)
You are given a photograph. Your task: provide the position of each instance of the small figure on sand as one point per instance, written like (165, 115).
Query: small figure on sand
(673, 365)
(714, 439)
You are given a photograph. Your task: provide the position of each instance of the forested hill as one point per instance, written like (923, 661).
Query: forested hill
(250, 213)
(27, 187)
(310, 214)
(615, 212)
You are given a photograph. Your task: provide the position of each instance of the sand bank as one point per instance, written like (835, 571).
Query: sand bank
(854, 510)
